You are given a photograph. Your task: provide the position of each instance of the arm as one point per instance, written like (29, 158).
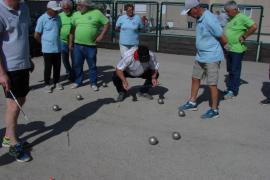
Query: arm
(154, 77)
(37, 37)
(4, 79)
(250, 31)
(71, 38)
(104, 31)
(121, 75)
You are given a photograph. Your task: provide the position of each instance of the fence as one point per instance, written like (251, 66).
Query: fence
(166, 30)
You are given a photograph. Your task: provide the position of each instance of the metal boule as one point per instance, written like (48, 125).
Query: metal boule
(160, 101)
(176, 135)
(153, 140)
(181, 113)
(56, 108)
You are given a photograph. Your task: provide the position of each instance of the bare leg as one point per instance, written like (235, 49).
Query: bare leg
(194, 89)
(214, 96)
(11, 117)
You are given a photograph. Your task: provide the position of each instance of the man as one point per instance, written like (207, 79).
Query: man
(47, 32)
(85, 36)
(15, 65)
(138, 62)
(237, 30)
(209, 55)
(65, 18)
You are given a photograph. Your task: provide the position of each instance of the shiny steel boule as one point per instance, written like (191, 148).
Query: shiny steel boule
(181, 113)
(176, 135)
(153, 140)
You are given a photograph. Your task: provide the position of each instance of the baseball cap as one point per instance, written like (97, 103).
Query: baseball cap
(53, 5)
(189, 4)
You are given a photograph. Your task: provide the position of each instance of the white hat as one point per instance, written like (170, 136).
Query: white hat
(53, 5)
(189, 4)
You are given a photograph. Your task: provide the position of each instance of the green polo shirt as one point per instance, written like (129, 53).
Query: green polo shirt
(65, 26)
(87, 26)
(234, 29)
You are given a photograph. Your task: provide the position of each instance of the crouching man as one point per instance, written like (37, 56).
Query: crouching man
(138, 62)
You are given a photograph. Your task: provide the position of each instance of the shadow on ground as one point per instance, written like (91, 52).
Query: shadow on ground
(104, 74)
(63, 125)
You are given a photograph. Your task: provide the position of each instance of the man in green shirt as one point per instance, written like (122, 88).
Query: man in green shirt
(65, 18)
(237, 30)
(85, 35)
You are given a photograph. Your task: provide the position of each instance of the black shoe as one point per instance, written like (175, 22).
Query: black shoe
(265, 101)
(121, 96)
(145, 95)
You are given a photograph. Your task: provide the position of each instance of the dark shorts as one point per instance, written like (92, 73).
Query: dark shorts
(19, 81)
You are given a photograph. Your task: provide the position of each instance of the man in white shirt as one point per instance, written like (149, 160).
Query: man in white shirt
(138, 62)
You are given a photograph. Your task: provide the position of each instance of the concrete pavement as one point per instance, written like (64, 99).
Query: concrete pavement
(97, 139)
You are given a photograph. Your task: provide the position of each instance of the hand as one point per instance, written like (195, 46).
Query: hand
(226, 47)
(154, 82)
(99, 38)
(32, 68)
(125, 85)
(4, 81)
(70, 47)
(242, 39)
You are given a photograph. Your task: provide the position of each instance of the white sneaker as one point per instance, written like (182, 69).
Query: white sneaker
(59, 86)
(48, 89)
(74, 86)
(94, 87)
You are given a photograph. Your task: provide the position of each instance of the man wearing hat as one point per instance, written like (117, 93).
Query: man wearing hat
(48, 33)
(208, 57)
(84, 37)
(138, 62)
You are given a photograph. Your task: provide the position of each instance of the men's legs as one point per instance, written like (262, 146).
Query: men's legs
(65, 57)
(56, 67)
(118, 83)
(47, 67)
(91, 58)
(11, 117)
(147, 75)
(77, 64)
(212, 74)
(197, 75)
(234, 66)
(119, 86)
(19, 81)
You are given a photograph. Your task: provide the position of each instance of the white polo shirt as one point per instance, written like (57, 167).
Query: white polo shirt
(133, 66)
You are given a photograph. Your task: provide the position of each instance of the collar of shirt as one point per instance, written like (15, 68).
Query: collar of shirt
(50, 17)
(130, 18)
(136, 56)
(202, 17)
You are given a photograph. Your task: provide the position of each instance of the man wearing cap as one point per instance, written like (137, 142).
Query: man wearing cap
(65, 17)
(138, 62)
(237, 30)
(48, 33)
(208, 57)
(15, 65)
(84, 38)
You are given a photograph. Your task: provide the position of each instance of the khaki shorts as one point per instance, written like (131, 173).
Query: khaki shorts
(209, 71)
